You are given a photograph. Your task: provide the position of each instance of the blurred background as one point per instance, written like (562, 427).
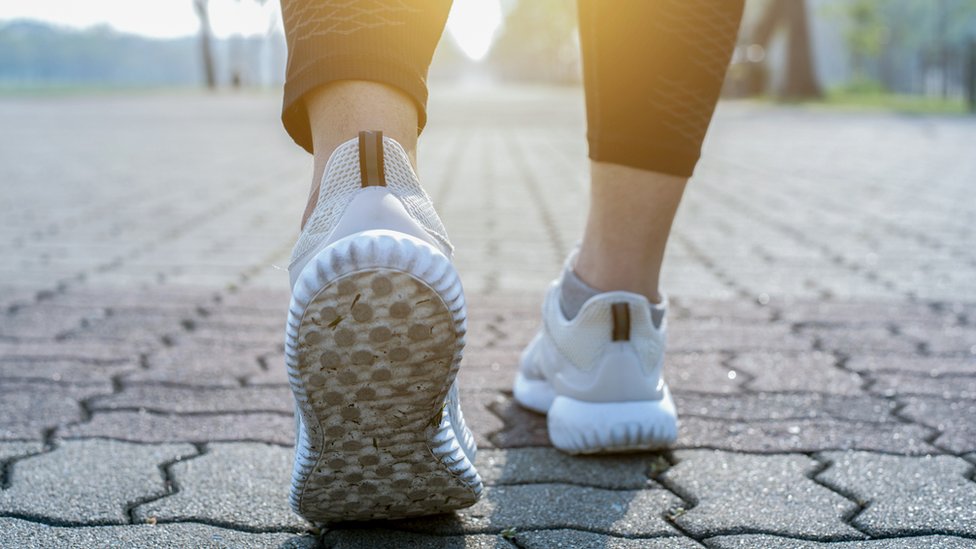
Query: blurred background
(906, 54)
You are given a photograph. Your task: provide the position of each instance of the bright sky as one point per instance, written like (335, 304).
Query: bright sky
(472, 24)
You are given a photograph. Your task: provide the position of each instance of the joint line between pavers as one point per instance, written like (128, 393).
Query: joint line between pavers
(170, 485)
(689, 499)
(823, 463)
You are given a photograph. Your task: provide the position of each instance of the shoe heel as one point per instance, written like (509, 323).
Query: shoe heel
(374, 340)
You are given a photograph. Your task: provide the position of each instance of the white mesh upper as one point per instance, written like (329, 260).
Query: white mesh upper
(341, 181)
(585, 338)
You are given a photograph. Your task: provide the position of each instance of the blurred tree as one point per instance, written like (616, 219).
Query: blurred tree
(206, 52)
(800, 81)
(538, 42)
(866, 34)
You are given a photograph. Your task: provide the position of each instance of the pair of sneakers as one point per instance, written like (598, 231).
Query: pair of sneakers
(374, 339)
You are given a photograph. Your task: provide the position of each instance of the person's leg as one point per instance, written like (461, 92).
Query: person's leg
(653, 70)
(356, 66)
(339, 110)
(376, 320)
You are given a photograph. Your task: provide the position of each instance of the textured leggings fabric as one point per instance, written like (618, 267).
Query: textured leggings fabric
(652, 69)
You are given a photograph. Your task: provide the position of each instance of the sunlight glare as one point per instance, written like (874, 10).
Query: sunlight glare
(473, 24)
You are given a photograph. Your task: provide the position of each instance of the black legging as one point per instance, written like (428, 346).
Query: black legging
(652, 68)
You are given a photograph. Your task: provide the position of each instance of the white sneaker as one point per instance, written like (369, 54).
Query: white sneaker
(598, 376)
(373, 343)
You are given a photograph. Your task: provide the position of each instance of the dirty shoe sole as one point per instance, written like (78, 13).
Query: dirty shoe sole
(374, 339)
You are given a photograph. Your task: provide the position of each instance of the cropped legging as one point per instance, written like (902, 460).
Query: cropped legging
(652, 69)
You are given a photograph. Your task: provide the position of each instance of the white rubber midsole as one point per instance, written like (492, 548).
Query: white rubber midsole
(581, 427)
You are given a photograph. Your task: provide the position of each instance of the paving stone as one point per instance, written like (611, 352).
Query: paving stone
(231, 484)
(779, 406)
(951, 386)
(88, 481)
(955, 420)
(182, 400)
(478, 416)
(735, 338)
(488, 369)
(576, 539)
(32, 535)
(195, 363)
(702, 372)
(906, 495)
(85, 351)
(547, 465)
(749, 493)
(854, 341)
(958, 340)
(928, 365)
(45, 321)
(254, 299)
(736, 310)
(391, 539)
(548, 506)
(150, 427)
(14, 450)
(158, 300)
(28, 409)
(857, 313)
(272, 372)
(760, 541)
(249, 335)
(143, 328)
(520, 427)
(816, 372)
(802, 435)
(75, 372)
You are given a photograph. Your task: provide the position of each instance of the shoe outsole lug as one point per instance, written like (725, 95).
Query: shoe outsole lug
(377, 438)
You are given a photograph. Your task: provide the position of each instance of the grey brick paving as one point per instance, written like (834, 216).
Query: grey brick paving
(237, 484)
(391, 539)
(12, 450)
(198, 363)
(926, 365)
(743, 493)
(775, 542)
(88, 481)
(547, 465)
(77, 372)
(184, 400)
(33, 535)
(955, 420)
(906, 495)
(819, 303)
(892, 384)
(698, 371)
(28, 409)
(780, 406)
(816, 371)
(803, 435)
(544, 539)
(535, 506)
(151, 427)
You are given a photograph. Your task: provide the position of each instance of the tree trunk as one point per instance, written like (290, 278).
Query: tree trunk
(971, 76)
(206, 52)
(801, 82)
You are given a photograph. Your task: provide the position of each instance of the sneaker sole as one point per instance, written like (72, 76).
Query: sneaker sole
(579, 427)
(374, 340)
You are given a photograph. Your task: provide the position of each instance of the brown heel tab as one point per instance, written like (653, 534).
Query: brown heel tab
(621, 321)
(371, 169)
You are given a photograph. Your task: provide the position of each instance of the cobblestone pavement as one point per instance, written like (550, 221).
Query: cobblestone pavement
(823, 350)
